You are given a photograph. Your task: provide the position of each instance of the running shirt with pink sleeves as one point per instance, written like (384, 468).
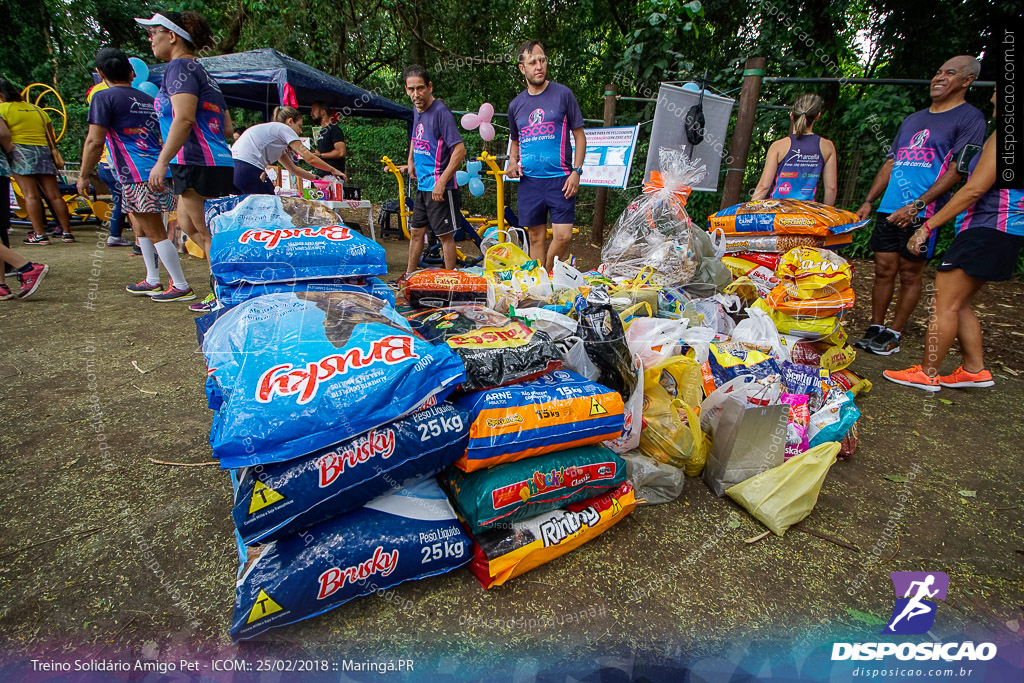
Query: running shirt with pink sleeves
(434, 133)
(205, 145)
(543, 125)
(133, 131)
(923, 150)
(1001, 210)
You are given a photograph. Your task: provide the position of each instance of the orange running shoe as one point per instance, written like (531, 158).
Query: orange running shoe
(961, 379)
(913, 377)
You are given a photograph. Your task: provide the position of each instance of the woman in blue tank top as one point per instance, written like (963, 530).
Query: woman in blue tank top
(988, 243)
(796, 163)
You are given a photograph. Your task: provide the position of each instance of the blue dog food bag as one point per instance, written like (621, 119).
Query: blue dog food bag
(273, 501)
(232, 295)
(556, 411)
(410, 534)
(290, 374)
(266, 238)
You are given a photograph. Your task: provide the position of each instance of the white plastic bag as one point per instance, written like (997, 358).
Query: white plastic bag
(565, 276)
(554, 324)
(654, 340)
(633, 415)
(759, 329)
(577, 360)
(714, 312)
(745, 388)
(699, 339)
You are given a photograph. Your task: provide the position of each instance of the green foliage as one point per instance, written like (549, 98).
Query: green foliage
(470, 50)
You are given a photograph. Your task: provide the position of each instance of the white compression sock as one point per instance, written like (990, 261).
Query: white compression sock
(169, 257)
(149, 258)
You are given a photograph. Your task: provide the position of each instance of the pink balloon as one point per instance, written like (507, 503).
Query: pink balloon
(486, 131)
(486, 112)
(470, 121)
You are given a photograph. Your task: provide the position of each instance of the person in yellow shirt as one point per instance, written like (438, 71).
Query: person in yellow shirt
(32, 162)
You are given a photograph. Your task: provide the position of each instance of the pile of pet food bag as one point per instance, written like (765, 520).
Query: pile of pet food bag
(501, 416)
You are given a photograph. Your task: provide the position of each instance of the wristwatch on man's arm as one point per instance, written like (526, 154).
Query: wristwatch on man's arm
(579, 171)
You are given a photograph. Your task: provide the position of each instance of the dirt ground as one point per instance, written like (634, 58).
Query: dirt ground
(105, 550)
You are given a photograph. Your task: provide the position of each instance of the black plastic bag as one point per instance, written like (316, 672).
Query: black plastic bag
(605, 342)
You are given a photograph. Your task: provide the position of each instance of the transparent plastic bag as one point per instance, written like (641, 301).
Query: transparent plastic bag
(654, 340)
(655, 231)
(655, 482)
(758, 329)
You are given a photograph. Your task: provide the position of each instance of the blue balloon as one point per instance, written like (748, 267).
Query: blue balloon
(461, 178)
(473, 167)
(141, 70)
(692, 87)
(149, 87)
(476, 187)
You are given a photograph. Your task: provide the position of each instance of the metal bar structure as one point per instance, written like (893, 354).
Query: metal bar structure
(864, 81)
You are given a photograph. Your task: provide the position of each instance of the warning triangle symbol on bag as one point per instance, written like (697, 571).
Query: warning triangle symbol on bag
(263, 496)
(264, 607)
(596, 408)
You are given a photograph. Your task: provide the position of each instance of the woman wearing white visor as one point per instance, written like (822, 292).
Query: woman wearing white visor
(194, 122)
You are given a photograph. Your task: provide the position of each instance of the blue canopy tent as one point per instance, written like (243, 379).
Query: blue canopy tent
(263, 79)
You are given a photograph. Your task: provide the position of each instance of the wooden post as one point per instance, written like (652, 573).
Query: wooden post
(601, 200)
(753, 71)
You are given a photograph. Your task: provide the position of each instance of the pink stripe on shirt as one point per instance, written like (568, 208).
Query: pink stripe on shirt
(561, 145)
(1004, 210)
(203, 145)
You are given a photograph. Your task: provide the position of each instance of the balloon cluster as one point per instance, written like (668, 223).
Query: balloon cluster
(481, 119)
(471, 175)
(142, 81)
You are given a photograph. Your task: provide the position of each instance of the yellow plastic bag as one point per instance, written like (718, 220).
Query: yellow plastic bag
(504, 258)
(194, 249)
(680, 376)
(665, 436)
(782, 496)
(638, 290)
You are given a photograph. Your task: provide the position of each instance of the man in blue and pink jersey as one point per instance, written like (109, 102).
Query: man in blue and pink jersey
(988, 243)
(541, 120)
(126, 119)
(916, 179)
(436, 151)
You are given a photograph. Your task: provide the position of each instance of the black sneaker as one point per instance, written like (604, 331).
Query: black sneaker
(885, 344)
(869, 336)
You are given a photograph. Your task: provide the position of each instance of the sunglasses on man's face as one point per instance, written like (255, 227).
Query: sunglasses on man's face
(155, 30)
